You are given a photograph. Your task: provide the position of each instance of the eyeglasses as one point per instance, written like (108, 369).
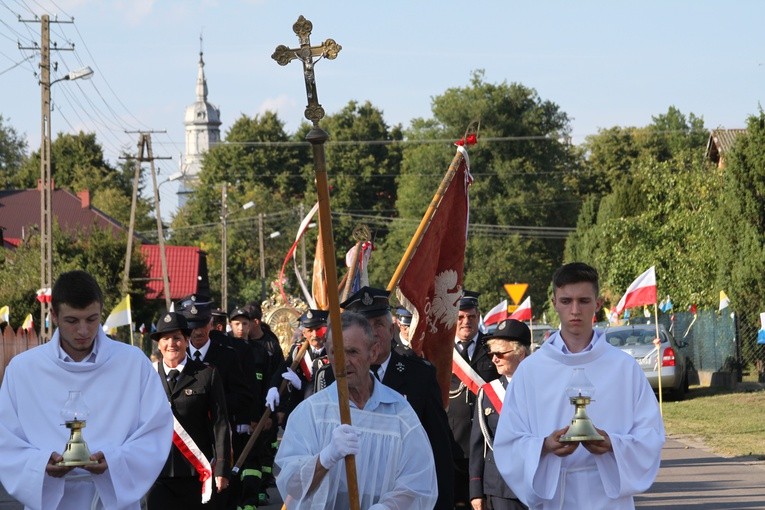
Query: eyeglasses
(499, 354)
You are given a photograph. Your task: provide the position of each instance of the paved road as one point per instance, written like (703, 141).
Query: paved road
(693, 478)
(690, 478)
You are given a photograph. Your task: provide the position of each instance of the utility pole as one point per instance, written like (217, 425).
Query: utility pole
(46, 180)
(145, 153)
(224, 248)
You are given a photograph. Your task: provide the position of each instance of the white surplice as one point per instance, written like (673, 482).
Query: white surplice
(624, 406)
(130, 422)
(394, 466)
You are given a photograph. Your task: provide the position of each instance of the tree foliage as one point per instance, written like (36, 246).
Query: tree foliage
(659, 211)
(741, 225)
(12, 154)
(519, 173)
(101, 253)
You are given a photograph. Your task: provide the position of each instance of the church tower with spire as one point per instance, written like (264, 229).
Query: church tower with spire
(202, 121)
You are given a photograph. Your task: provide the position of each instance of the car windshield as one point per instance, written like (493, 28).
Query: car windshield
(631, 336)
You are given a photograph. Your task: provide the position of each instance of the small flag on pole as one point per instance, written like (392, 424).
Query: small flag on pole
(5, 313)
(28, 323)
(523, 312)
(120, 316)
(724, 301)
(496, 314)
(666, 304)
(640, 292)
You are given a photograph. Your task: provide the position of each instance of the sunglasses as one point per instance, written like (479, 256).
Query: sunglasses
(499, 354)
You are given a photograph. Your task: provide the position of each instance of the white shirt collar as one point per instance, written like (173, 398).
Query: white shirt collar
(90, 358)
(202, 350)
(179, 368)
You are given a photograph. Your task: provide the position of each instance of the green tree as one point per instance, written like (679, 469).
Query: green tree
(12, 154)
(77, 164)
(658, 212)
(261, 163)
(741, 228)
(519, 166)
(98, 251)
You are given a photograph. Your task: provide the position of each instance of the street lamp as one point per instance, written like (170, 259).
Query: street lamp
(46, 206)
(171, 178)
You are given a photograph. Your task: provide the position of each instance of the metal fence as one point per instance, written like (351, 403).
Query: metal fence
(718, 342)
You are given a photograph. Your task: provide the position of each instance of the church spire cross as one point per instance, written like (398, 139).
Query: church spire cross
(306, 53)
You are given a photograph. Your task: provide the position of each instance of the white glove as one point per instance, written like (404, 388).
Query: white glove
(293, 379)
(345, 441)
(272, 398)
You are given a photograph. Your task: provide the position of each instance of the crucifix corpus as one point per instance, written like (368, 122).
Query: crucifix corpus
(314, 112)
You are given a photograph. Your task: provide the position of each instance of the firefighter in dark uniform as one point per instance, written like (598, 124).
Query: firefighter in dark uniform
(415, 379)
(215, 352)
(249, 486)
(209, 346)
(467, 342)
(403, 320)
(506, 347)
(313, 325)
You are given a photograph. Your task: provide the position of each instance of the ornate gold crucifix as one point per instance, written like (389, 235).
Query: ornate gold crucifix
(306, 53)
(317, 136)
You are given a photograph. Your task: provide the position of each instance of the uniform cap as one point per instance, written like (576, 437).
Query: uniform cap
(239, 311)
(511, 329)
(196, 309)
(404, 316)
(368, 301)
(314, 318)
(469, 300)
(169, 322)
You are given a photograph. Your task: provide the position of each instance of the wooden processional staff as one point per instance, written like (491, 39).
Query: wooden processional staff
(314, 112)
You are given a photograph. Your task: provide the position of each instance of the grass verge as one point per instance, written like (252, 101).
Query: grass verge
(731, 424)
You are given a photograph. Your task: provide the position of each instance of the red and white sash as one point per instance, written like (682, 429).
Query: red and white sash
(182, 440)
(465, 372)
(306, 365)
(496, 393)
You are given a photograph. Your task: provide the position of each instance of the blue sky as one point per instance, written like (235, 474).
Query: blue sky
(604, 62)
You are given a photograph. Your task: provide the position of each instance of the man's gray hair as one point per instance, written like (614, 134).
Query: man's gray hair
(349, 319)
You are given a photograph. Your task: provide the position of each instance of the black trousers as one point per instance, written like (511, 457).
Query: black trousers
(179, 493)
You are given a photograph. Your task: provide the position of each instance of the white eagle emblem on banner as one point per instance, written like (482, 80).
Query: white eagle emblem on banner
(444, 308)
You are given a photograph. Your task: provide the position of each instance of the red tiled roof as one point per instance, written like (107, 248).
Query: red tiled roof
(20, 212)
(186, 270)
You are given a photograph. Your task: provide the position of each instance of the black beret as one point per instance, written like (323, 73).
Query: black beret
(511, 329)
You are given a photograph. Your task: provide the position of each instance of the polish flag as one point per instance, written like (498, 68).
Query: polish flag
(496, 314)
(523, 312)
(641, 292)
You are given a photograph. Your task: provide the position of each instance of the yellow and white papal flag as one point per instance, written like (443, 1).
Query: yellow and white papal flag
(120, 316)
(5, 314)
(28, 323)
(724, 301)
